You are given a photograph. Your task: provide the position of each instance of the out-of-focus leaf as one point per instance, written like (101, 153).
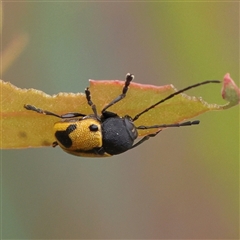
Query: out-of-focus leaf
(12, 51)
(21, 128)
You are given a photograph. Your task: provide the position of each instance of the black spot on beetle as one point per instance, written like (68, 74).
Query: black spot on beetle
(93, 128)
(63, 136)
(71, 128)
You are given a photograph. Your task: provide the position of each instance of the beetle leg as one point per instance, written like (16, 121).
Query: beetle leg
(145, 138)
(90, 103)
(129, 78)
(54, 144)
(67, 115)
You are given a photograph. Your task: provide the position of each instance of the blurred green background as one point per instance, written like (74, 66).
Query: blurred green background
(181, 184)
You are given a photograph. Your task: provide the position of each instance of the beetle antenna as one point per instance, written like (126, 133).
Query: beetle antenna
(183, 124)
(174, 94)
(129, 78)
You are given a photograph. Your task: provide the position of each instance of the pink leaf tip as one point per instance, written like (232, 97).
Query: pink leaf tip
(230, 91)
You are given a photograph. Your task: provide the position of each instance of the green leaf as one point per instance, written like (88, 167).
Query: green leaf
(21, 128)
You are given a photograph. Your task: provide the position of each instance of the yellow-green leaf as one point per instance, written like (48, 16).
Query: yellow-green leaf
(21, 128)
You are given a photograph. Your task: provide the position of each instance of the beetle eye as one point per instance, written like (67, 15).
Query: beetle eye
(130, 127)
(93, 128)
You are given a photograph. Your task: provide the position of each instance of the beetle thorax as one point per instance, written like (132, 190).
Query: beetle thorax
(118, 134)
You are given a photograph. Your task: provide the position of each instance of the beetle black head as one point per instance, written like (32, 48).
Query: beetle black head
(118, 134)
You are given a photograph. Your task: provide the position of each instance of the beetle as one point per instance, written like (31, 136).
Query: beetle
(107, 134)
